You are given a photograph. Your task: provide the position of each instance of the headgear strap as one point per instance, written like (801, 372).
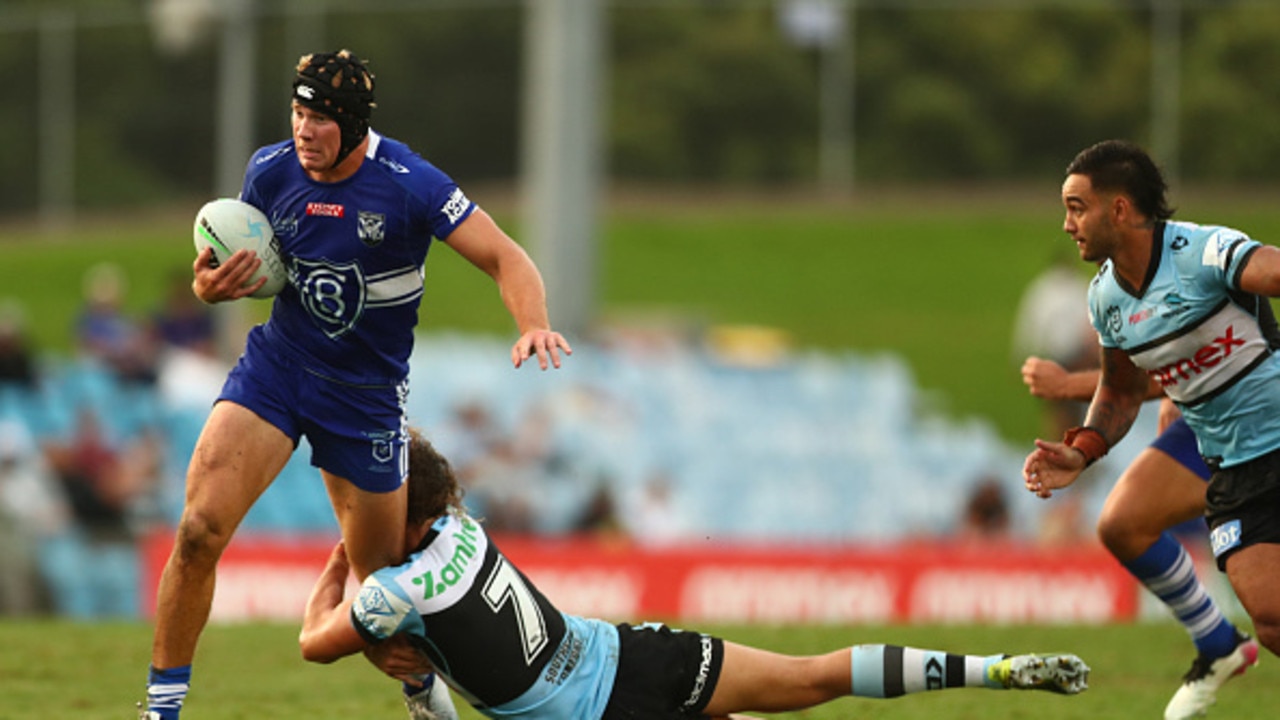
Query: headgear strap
(339, 85)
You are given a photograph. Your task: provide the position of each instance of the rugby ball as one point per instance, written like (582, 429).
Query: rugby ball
(228, 225)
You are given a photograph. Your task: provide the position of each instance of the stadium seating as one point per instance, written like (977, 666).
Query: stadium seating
(812, 448)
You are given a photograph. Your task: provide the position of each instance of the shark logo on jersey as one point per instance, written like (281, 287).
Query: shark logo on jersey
(1174, 304)
(334, 294)
(371, 227)
(378, 610)
(1179, 243)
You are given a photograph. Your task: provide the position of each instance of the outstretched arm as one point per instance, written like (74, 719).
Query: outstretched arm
(327, 633)
(485, 245)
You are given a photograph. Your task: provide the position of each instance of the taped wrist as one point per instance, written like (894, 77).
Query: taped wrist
(1089, 441)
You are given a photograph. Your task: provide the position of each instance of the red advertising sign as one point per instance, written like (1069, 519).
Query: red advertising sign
(269, 577)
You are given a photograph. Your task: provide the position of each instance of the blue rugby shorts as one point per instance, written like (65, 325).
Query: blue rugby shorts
(357, 432)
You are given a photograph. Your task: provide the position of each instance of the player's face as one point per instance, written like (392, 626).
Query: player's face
(316, 140)
(1088, 219)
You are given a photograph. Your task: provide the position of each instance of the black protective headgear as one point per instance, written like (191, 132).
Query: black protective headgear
(339, 85)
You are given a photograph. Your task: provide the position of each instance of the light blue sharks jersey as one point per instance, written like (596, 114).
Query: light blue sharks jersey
(355, 251)
(489, 632)
(1209, 344)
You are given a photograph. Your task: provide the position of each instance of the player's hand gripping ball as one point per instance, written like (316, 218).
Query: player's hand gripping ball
(227, 225)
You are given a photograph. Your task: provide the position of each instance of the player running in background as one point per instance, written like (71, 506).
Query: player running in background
(1184, 304)
(355, 214)
(505, 648)
(1163, 488)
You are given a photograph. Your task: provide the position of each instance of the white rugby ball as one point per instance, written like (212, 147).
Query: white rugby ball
(228, 225)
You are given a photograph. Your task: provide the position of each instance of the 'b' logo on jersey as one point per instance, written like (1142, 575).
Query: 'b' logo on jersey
(334, 295)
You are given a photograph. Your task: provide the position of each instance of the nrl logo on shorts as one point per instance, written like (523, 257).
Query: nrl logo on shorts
(383, 445)
(371, 227)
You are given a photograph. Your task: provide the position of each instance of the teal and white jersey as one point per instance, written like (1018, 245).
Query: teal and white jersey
(1209, 344)
(489, 632)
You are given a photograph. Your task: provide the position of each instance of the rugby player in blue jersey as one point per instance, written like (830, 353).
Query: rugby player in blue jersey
(1187, 306)
(470, 614)
(355, 213)
(1163, 488)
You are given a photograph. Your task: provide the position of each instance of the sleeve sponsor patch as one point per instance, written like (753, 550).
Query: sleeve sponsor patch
(1219, 250)
(456, 206)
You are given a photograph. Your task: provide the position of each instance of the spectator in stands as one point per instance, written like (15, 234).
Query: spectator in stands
(104, 481)
(653, 519)
(599, 515)
(17, 366)
(33, 515)
(106, 334)
(986, 514)
(182, 322)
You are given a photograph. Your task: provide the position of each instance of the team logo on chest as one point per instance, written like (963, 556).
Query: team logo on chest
(333, 293)
(1112, 319)
(285, 226)
(371, 227)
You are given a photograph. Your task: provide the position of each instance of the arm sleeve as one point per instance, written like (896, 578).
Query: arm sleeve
(382, 609)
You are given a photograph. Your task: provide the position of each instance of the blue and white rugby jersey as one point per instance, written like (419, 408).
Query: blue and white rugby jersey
(495, 638)
(1209, 344)
(355, 251)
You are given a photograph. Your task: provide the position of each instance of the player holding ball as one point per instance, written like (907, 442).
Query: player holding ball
(354, 214)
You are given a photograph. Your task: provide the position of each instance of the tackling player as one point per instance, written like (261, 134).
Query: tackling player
(508, 651)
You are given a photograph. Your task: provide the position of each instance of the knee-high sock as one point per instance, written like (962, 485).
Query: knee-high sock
(888, 671)
(167, 689)
(1168, 572)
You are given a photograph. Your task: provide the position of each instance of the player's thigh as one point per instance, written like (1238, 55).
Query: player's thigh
(236, 458)
(1252, 571)
(1154, 493)
(372, 523)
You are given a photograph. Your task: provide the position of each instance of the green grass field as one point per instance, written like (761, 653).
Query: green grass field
(933, 276)
(251, 672)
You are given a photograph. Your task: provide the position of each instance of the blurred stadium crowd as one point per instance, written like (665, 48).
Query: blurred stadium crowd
(646, 433)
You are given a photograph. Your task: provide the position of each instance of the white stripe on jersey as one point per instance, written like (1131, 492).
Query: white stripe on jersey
(1194, 366)
(396, 287)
